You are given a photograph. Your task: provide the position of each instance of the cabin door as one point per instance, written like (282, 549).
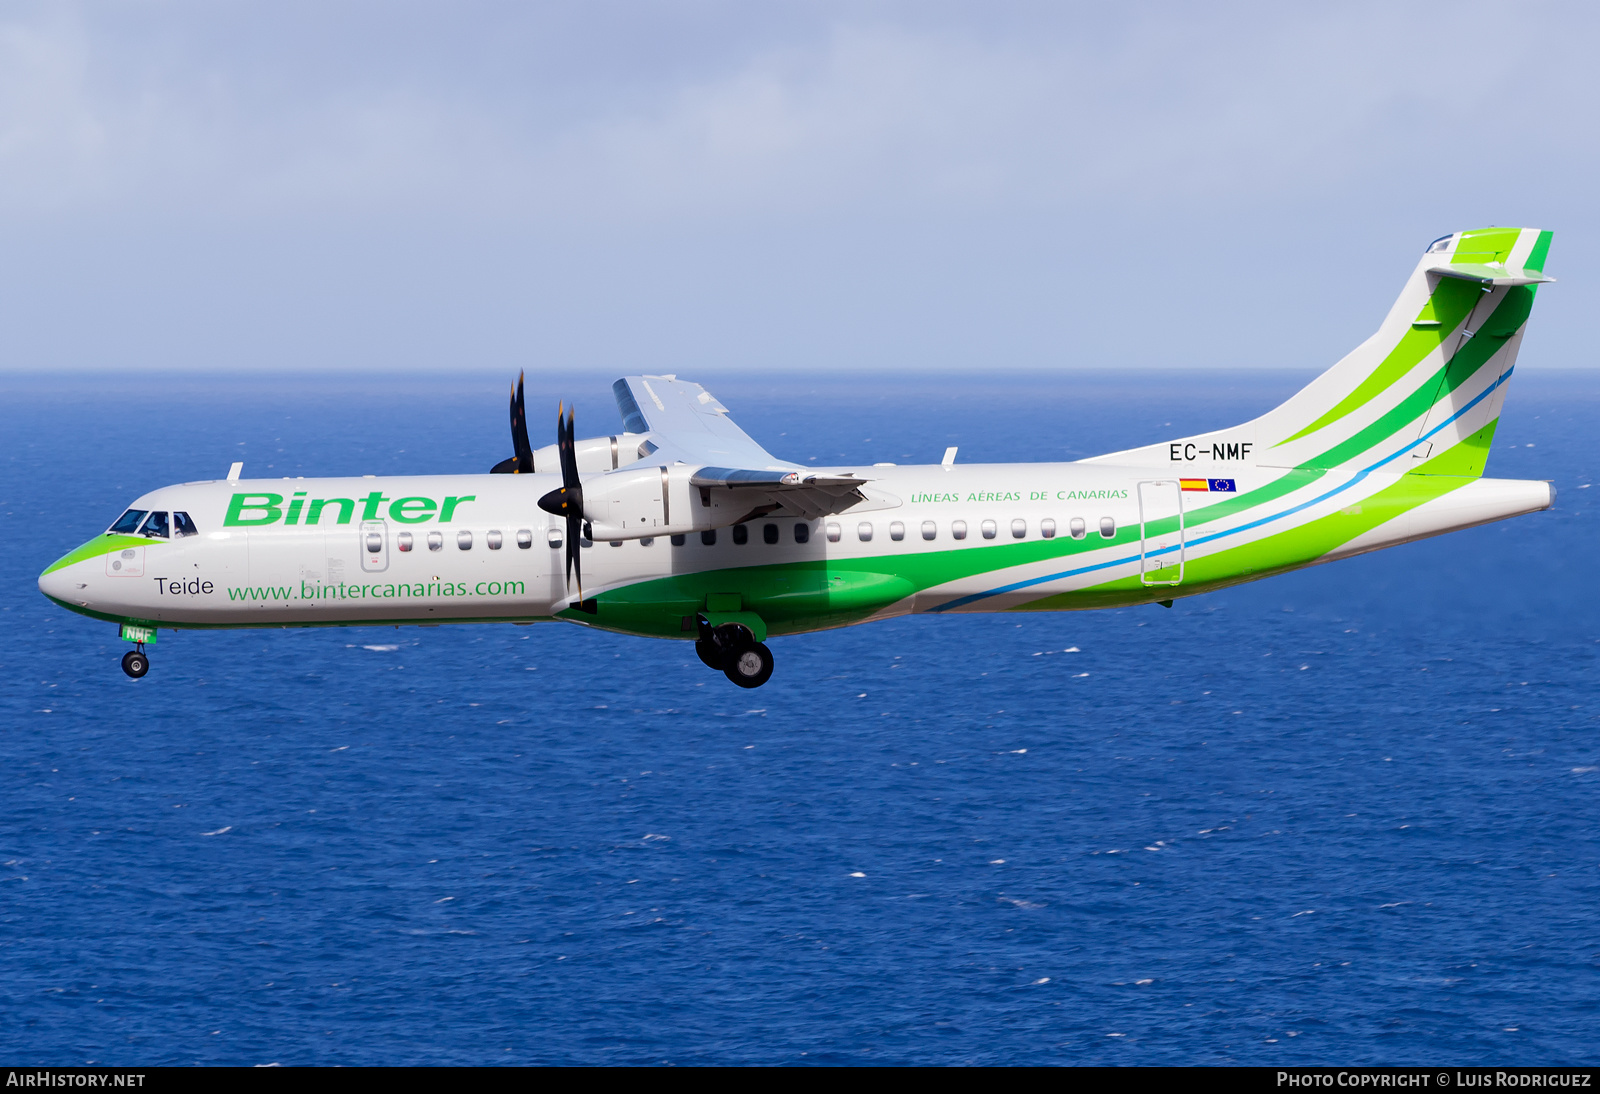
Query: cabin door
(1160, 532)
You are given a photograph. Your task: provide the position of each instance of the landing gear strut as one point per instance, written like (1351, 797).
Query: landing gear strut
(732, 650)
(135, 662)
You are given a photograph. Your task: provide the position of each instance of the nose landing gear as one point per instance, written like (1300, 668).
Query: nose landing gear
(732, 650)
(136, 663)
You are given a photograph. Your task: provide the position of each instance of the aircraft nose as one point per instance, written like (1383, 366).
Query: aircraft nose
(57, 584)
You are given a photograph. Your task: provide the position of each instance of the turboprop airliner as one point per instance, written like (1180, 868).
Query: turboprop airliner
(682, 526)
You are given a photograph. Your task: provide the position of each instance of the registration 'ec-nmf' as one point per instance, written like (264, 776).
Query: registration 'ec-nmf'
(681, 526)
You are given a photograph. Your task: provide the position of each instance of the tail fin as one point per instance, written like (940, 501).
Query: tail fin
(1427, 386)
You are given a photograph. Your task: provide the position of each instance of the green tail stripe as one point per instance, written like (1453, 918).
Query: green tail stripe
(1450, 304)
(1506, 320)
(1540, 250)
(1485, 245)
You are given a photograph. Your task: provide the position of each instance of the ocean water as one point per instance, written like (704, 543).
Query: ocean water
(1343, 816)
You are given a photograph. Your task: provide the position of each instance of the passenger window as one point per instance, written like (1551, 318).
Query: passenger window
(864, 531)
(741, 534)
(493, 540)
(769, 533)
(552, 537)
(374, 543)
(464, 541)
(183, 526)
(1077, 527)
(128, 523)
(802, 533)
(1047, 528)
(1108, 527)
(679, 541)
(403, 541)
(709, 537)
(929, 529)
(436, 541)
(524, 538)
(155, 527)
(958, 529)
(616, 543)
(833, 533)
(988, 528)
(1019, 529)
(897, 531)
(647, 541)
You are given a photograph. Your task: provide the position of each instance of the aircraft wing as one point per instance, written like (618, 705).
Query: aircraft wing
(687, 424)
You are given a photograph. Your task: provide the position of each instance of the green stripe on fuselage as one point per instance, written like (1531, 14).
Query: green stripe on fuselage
(1281, 552)
(805, 596)
(100, 545)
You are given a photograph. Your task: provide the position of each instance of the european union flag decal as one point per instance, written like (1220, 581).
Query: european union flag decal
(1224, 486)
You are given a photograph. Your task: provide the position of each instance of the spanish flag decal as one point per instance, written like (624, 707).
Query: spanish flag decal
(1214, 486)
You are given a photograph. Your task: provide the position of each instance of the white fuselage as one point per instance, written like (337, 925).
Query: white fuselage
(435, 549)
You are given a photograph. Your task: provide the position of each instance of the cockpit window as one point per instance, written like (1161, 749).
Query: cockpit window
(183, 526)
(128, 523)
(156, 526)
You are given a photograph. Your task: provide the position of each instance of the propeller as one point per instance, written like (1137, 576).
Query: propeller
(567, 499)
(522, 462)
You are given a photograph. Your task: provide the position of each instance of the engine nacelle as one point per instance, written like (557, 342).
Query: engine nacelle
(594, 454)
(639, 502)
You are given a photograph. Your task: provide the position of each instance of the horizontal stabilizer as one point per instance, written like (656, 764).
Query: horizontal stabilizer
(1490, 273)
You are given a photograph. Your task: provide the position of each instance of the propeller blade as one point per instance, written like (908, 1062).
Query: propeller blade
(567, 445)
(567, 499)
(519, 430)
(521, 461)
(574, 559)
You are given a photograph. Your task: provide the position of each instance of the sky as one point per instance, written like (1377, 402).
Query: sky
(714, 188)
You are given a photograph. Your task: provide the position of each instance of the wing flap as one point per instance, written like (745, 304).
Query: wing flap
(794, 492)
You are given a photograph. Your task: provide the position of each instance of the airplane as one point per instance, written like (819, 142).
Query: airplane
(682, 526)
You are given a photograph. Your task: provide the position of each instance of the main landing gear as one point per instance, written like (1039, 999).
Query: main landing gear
(733, 651)
(136, 662)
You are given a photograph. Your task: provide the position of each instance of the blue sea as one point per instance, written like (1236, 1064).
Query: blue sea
(1349, 815)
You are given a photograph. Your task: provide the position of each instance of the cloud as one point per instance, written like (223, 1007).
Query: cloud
(861, 181)
(872, 105)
